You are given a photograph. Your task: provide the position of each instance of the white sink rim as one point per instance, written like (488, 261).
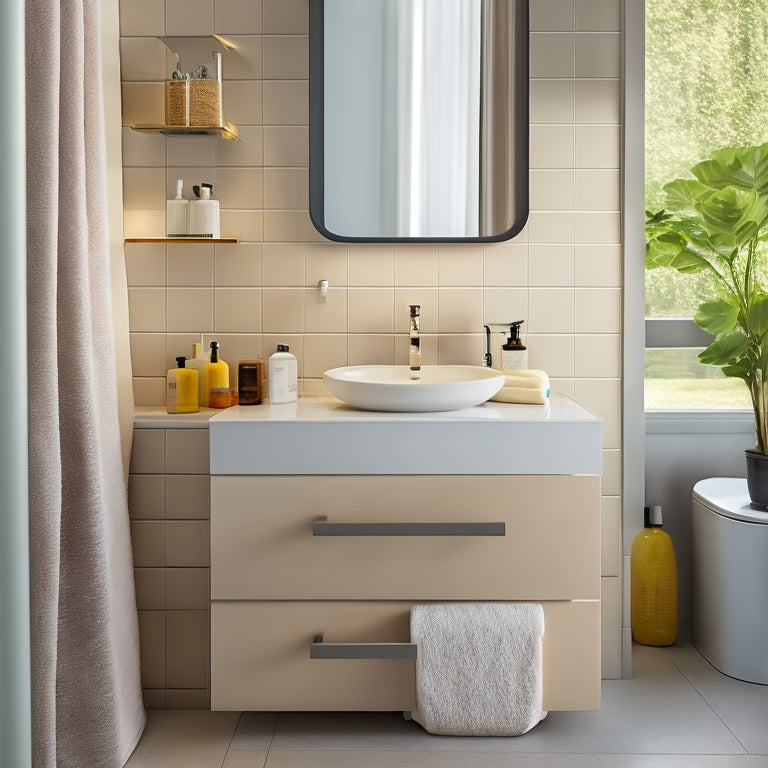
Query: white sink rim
(390, 387)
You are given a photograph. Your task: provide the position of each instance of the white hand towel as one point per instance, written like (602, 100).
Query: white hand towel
(524, 386)
(478, 668)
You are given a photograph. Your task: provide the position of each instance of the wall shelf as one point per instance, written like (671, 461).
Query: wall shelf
(226, 131)
(231, 239)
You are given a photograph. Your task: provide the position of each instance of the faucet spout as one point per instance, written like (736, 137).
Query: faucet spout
(414, 352)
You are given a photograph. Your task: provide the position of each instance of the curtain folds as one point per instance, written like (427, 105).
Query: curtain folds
(86, 692)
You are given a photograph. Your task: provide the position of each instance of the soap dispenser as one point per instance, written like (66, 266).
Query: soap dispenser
(204, 214)
(514, 354)
(176, 213)
(282, 376)
(217, 372)
(181, 389)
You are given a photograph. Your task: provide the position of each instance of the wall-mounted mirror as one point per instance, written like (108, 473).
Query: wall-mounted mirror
(418, 119)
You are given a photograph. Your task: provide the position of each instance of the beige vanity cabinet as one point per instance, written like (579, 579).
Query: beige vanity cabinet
(313, 575)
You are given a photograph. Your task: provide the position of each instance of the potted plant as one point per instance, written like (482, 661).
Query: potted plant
(718, 222)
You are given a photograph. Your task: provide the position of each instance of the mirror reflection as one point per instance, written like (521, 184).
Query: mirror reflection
(418, 119)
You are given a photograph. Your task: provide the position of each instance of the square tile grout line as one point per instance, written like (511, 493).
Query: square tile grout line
(702, 696)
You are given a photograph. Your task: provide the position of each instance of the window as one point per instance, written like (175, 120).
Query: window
(706, 88)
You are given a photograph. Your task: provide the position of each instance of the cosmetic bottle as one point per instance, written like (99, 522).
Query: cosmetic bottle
(176, 213)
(204, 214)
(199, 362)
(250, 375)
(217, 372)
(181, 389)
(282, 375)
(514, 354)
(654, 583)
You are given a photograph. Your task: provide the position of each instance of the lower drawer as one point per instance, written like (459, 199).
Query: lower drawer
(260, 656)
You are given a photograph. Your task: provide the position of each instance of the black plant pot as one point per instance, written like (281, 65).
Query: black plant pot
(757, 479)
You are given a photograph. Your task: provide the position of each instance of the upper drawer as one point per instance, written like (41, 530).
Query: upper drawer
(264, 544)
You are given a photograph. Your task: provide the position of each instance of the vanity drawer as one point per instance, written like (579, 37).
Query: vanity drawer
(264, 542)
(260, 656)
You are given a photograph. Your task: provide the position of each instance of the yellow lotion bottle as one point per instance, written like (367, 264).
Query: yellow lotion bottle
(181, 389)
(199, 363)
(217, 372)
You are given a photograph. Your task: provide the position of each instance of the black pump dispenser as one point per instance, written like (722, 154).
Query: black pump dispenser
(181, 362)
(514, 342)
(214, 345)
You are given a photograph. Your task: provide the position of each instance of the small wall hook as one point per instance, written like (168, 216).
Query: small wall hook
(322, 292)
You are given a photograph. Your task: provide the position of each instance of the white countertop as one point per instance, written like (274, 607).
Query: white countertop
(326, 436)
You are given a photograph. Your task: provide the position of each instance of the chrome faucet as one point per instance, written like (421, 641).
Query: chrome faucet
(414, 353)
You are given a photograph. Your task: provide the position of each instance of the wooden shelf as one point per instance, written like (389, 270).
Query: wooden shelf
(226, 131)
(233, 239)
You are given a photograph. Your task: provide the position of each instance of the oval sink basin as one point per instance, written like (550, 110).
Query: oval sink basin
(391, 388)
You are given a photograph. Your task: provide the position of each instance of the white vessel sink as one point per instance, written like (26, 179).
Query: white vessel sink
(391, 388)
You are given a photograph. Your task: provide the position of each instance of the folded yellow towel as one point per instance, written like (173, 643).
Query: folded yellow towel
(526, 386)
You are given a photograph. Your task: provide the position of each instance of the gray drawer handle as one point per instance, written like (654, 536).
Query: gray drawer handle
(321, 527)
(321, 650)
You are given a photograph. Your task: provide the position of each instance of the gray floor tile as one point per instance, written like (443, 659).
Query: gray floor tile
(254, 731)
(742, 706)
(188, 739)
(246, 759)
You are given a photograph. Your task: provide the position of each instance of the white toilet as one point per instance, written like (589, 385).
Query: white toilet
(730, 579)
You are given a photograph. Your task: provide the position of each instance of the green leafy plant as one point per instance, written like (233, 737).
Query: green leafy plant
(718, 222)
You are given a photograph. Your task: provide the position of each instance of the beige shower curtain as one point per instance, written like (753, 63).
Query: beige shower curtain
(86, 693)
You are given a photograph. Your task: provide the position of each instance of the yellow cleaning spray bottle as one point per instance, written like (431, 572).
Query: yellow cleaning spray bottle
(654, 583)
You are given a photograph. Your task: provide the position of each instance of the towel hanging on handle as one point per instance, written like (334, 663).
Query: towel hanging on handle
(478, 667)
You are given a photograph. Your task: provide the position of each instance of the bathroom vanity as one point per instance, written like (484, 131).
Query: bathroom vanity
(329, 523)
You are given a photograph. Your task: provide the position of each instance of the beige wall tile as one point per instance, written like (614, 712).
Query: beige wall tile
(603, 397)
(598, 265)
(459, 264)
(371, 264)
(598, 15)
(286, 145)
(244, 62)
(611, 483)
(143, 103)
(248, 225)
(237, 265)
(550, 310)
(146, 493)
(142, 59)
(286, 188)
(144, 223)
(242, 102)
(144, 188)
(370, 310)
(237, 310)
(187, 543)
(145, 264)
(248, 151)
(505, 264)
(551, 264)
(551, 54)
(286, 57)
(285, 226)
(150, 588)
(505, 305)
(142, 17)
(190, 310)
(598, 355)
(189, 17)
(598, 55)
(286, 103)
(610, 535)
(148, 354)
(597, 227)
(598, 101)
(598, 190)
(551, 146)
(551, 226)
(190, 265)
(283, 264)
(368, 349)
(146, 309)
(598, 146)
(464, 349)
(187, 660)
(187, 451)
(240, 187)
(328, 318)
(143, 149)
(416, 264)
(283, 310)
(552, 190)
(326, 261)
(461, 310)
(426, 298)
(322, 352)
(552, 101)
(189, 153)
(148, 542)
(149, 391)
(152, 640)
(187, 497)
(234, 16)
(240, 346)
(598, 310)
(551, 353)
(551, 16)
(188, 588)
(286, 17)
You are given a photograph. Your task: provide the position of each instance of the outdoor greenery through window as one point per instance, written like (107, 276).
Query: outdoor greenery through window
(706, 89)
